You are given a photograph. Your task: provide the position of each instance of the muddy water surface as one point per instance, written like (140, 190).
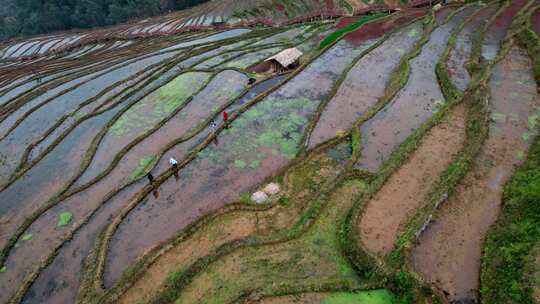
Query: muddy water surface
(257, 145)
(104, 102)
(212, 38)
(33, 189)
(412, 106)
(144, 116)
(59, 282)
(450, 250)
(496, 32)
(364, 85)
(40, 120)
(461, 52)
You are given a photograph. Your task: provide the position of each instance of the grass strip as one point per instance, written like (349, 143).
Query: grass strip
(513, 236)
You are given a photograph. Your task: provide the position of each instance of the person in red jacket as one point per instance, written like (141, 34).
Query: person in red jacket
(226, 119)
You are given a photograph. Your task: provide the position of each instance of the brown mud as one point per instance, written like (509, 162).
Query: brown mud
(386, 214)
(450, 250)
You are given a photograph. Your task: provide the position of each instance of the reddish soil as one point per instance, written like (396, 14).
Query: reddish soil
(450, 250)
(329, 4)
(387, 213)
(343, 22)
(198, 246)
(374, 30)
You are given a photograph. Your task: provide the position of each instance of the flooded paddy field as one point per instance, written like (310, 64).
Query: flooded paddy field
(191, 168)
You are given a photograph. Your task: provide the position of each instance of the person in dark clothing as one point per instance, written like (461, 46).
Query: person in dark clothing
(150, 178)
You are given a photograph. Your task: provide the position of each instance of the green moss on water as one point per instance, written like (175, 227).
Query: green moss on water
(145, 164)
(379, 296)
(240, 164)
(159, 104)
(64, 218)
(27, 237)
(255, 164)
(3, 269)
(270, 128)
(412, 33)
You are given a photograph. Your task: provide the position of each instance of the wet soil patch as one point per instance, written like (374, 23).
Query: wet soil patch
(450, 250)
(386, 214)
(374, 30)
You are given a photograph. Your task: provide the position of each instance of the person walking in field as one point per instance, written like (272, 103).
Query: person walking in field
(226, 119)
(150, 178)
(174, 163)
(213, 128)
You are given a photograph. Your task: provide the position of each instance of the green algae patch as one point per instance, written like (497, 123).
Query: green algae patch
(64, 218)
(270, 128)
(239, 164)
(159, 104)
(27, 237)
(412, 33)
(3, 269)
(144, 166)
(350, 28)
(379, 296)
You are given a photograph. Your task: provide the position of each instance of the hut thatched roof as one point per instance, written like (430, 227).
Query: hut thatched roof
(286, 57)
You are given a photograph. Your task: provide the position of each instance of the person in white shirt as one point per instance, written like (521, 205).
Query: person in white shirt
(174, 164)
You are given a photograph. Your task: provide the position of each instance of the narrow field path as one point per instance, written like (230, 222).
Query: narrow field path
(405, 191)
(449, 252)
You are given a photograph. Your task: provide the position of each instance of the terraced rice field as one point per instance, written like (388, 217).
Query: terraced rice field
(391, 145)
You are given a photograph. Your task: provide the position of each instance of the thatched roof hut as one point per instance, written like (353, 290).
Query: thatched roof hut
(286, 59)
